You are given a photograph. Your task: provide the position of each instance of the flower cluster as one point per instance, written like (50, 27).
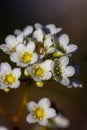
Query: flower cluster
(43, 52)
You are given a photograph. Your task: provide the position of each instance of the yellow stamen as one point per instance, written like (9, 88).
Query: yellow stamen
(8, 79)
(26, 57)
(59, 71)
(38, 113)
(43, 50)
(38, 71)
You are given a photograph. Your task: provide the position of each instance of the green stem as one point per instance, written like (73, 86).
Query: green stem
(21, 110)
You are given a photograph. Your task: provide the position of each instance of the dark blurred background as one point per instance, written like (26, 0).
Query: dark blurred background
(71, 15)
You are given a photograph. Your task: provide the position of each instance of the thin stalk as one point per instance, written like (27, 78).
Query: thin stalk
(6, 113)
(43, 128)
(22, 105)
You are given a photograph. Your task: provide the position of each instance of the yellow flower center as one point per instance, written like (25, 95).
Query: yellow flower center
(58, 71)
(38, 113)
(38, 71)
(9, 78)
(26, 57)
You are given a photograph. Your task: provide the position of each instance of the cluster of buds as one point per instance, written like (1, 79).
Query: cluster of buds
(43, 53)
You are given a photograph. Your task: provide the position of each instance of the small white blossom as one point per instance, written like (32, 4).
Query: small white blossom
(59, 122)
(61, 70)
(40, 112)
(8, 77)
(24, 54)
(39, 35)
(63, 47)
(51, 27)
(3, 128)
(26, 31)
(44, 43)
(40, 71)
(11, 43)
(75, 83)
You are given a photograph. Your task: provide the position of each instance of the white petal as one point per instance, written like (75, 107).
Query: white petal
(20, 37)
(36, 79)
(64, 61)
(61, 121)
(34, 58)
(29, 69)
(20, 47)
(4, 68)
(47, 76)
(38, 34)
(17, 32)
(44, 103)
(10, 40)
(71, 48)
(69, 71)
(43, 122)
(51, 113)
(4, 48)
(14, 57)
(27, 30)
(53, 28)
(31, 105)
(22, 64)
(46, 65)
(17, 72)
(63, 40)
(37, 25)
(30, 119)
(48, 42)
(65, 81)
(15, 85)
(30, 46)
(2, 85)
(50, 50)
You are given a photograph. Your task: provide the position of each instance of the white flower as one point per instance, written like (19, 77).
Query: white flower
(11, 43)
(62, 72)
(8, 77)
(24, 54)
(40, 71)
(39, 35)
(26, 31)
(44, 44)
(51, 27)
(63, 46)
(40, 112)
(3, 128)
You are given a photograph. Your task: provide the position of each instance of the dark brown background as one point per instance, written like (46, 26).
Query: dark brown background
(71, 15)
